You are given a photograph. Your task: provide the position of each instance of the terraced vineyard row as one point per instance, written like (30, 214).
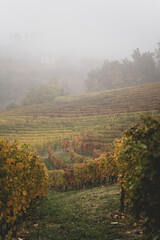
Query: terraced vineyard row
(45, 132)
(131, 99)
(107, 113)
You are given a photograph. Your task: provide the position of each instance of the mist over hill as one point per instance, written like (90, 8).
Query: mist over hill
(23, 76)
(19, 76)
(83, 45)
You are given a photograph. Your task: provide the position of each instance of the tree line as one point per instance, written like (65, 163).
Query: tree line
(142, 68)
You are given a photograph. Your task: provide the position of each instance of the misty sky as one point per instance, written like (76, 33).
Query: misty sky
(93, 28)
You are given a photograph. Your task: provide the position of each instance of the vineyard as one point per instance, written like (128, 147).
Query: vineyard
(23, 179)
(107, 114)
(80, 130)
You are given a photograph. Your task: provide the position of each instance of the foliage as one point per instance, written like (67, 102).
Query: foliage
(75, 157)
(157, 55)
(11, 105)
(105, 116)
(92, 172)
(142, 69)
(45, 92)
(56, 162)
(88, 143)
(138, 160)
(23, 179)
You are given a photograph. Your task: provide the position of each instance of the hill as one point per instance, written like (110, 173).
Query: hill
(107, 113)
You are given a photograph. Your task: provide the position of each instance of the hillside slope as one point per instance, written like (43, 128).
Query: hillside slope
(132, 99)
(107, 113)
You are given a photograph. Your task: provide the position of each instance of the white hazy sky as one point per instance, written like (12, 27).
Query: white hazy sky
(94, 28)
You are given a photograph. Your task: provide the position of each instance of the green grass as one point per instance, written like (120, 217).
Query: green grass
(73, 215)
(48, 164)
(65, 157)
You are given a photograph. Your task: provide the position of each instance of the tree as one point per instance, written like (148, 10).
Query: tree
(43, 93)
(115, 74)
(157, 55)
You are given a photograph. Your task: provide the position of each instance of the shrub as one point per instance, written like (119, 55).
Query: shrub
(75, 157)
(92, 172)
(56, 162)
(23, 179)
(138, 160)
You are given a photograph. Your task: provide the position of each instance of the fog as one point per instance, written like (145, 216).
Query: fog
(91, 28)
(63, 40)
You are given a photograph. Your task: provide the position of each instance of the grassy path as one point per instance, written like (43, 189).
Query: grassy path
(73, 215)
